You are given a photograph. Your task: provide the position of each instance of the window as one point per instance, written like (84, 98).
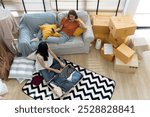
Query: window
(89, 5)
(31, 5)
(142, 15)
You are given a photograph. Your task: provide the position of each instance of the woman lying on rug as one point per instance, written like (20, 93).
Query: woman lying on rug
(49, 65)
(67, 28)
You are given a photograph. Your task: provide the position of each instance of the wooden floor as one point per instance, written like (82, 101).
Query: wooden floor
(128, 86)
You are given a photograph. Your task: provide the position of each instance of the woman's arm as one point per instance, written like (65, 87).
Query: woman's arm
(81, 23)
(41, 61)
(61, 25)
(59, 29)
(54, 55)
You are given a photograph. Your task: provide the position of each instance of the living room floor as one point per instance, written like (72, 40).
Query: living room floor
(131, 86)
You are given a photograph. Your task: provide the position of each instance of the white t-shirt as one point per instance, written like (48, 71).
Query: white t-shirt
(48, 63)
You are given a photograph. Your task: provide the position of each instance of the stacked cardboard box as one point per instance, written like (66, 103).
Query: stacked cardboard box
(115, 30)
(108, 53)
(122, 26)
(130, 67)
(101, 26)
(124, 53)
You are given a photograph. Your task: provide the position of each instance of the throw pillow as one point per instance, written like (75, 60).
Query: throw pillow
(78, 32)
(47, 30)
(21, 68)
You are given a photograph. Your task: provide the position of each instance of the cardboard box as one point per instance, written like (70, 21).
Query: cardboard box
(130, 67)
(122, 26)
(140, 45)
(124, 53)
(101, 26)
(102, 37)
(105, 40)
(101, 23)
(116, 41)
(108, 57)
(127, 41)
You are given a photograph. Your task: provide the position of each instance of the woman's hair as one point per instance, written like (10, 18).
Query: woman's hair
(72, 12)
(43, 50)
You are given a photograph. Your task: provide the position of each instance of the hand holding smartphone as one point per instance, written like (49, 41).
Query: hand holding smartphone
(53, 31)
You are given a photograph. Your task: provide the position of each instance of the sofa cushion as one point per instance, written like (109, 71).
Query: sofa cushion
(83, 15)
(74, 43)
(21, 68)
(47, 30)
(78, 31)
(33, 21)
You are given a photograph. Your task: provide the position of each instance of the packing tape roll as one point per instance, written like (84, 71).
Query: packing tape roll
(98, 44)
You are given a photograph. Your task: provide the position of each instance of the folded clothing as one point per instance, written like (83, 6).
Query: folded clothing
(64, 81)
(66, 72)
(36, 79)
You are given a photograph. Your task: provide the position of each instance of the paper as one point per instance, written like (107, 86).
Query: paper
(108, 49)
(98, 44)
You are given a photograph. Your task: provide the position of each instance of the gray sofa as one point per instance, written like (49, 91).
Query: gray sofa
(29, 27)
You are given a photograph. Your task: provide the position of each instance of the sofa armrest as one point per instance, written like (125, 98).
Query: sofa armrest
(24, 41)
(88, 35)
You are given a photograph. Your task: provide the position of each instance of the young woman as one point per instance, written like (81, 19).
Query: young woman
(47, 63)
(68, 26)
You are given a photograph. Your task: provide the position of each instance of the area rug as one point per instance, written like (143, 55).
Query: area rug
(92, 86)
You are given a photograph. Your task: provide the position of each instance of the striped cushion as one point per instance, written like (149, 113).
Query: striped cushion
(21, 68)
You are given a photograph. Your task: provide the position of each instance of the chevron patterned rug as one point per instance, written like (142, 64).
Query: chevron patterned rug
(93, 86)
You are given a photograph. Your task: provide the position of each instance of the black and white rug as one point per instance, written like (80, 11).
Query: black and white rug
(93, 86)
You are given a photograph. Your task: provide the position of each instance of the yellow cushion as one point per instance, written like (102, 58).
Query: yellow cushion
(46, 30)
(78, 31)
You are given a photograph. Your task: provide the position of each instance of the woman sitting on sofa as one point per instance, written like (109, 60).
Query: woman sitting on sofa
(68, 26)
